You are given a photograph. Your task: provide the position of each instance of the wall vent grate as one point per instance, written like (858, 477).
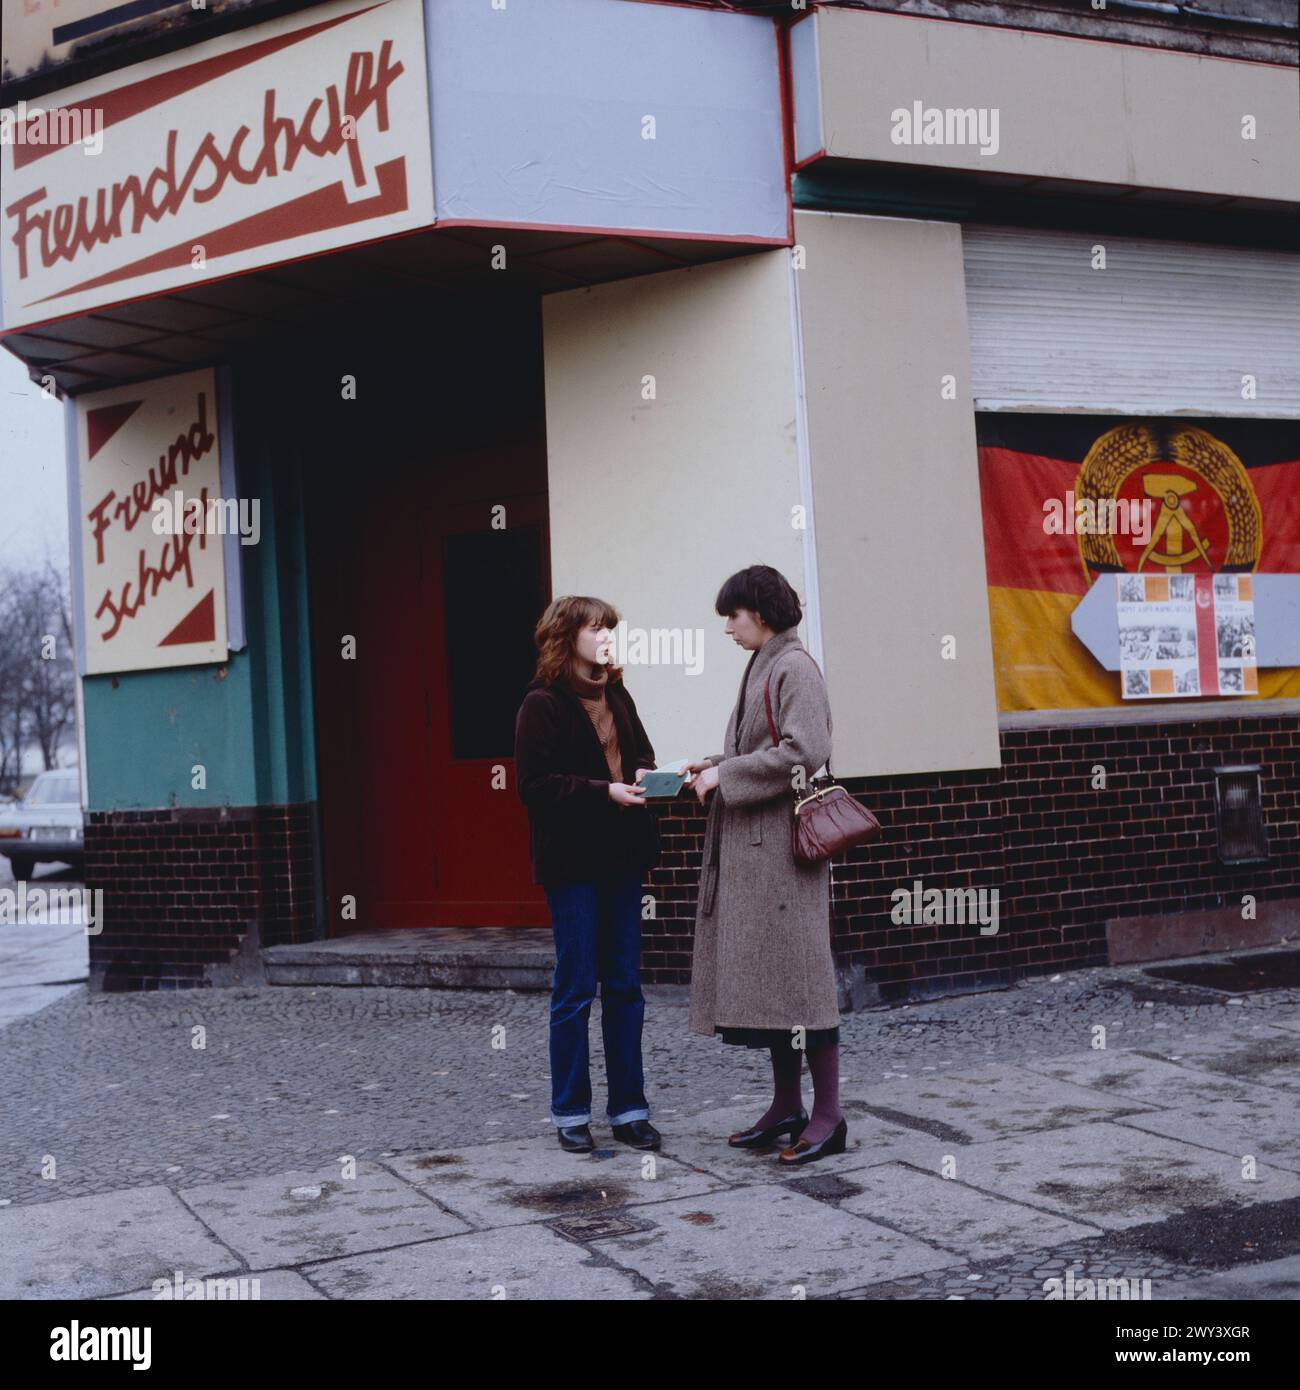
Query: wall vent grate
(1240, 815)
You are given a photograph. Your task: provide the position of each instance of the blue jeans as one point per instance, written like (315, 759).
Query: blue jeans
(597, 926)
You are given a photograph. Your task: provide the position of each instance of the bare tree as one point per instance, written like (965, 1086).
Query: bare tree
(36, 671)
(11, 685)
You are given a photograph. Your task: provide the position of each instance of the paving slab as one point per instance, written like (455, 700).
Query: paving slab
(35, 953)
(1270, 1279)
(1130, 1077)
(1266, 1126)
(89, 1247)
(517, 1182)
(700, 1141)
(1114, 1175)
(977, 1104)
(1262, 1055)
(265, 1285)
(292, 1217)
(952, 1215)
(764, 1242)
(18, 1001)
(522, 1262)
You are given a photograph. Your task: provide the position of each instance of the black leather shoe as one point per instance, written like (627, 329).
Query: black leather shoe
(576, 1139)
(641, 1134)
(803, 1152)
(793, 1125)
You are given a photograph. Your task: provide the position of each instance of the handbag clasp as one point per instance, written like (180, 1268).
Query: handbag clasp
(815, 796)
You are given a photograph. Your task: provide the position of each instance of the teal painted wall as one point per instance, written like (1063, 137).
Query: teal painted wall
(145, 731)
(248, 721)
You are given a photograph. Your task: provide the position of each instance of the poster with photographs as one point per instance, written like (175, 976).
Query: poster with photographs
(1186, 634)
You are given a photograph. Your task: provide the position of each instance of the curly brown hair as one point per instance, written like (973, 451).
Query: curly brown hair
(557, 630)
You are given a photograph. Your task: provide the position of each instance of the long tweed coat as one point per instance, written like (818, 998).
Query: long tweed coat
(762, 927)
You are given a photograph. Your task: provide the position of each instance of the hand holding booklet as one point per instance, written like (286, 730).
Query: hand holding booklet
(667, 780)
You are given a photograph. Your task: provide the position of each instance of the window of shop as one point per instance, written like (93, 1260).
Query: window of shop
(1136, 406)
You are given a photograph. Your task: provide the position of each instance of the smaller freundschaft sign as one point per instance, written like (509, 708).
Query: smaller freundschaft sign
(151, 520)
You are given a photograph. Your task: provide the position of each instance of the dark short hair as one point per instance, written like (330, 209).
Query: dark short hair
(764, 590)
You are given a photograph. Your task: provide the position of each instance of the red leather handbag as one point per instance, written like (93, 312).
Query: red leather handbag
(829, 819)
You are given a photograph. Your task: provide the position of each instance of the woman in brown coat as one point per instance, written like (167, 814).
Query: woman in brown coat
(763, 974)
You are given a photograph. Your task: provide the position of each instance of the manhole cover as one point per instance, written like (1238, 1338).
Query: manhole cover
(601, 1225)
(826, 1187)
(1238, 974)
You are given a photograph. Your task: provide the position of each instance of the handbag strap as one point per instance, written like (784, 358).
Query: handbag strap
(767, 705)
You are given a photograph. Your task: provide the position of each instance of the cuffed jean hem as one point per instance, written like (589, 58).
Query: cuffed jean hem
(628, 1116)
(568, 1121)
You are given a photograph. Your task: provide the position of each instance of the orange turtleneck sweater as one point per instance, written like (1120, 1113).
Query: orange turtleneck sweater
(592, 694)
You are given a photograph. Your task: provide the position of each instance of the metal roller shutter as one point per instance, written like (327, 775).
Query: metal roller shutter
(1167, 328)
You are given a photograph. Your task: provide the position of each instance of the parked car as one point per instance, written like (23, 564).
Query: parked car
(46, 825)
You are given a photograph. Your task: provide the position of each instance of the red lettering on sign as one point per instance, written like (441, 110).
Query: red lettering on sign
(68, 229)
(174, 560)
(187, 448)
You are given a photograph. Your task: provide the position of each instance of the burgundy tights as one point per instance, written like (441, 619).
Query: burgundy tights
(787, 1094)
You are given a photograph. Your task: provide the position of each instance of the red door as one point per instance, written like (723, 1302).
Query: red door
(483, 593)
(428, 571)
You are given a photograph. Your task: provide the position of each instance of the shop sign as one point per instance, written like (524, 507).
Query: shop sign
(286, 139)
(152, 522)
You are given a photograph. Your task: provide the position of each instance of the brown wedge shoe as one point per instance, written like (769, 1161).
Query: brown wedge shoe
(804, 1152)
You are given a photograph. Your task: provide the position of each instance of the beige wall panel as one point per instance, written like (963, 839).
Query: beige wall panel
(653, 503)
(1068, 108)
(900, 551)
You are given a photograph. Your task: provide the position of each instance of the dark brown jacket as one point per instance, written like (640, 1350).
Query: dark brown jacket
(575, 830)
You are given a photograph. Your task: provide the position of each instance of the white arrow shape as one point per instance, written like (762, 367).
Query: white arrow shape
(1277, 620)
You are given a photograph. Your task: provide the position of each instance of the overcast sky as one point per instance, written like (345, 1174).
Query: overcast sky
(33, 493)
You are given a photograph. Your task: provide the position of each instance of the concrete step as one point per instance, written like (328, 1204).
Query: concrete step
(521, 958)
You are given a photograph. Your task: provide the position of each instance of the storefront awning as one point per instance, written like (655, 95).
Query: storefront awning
(222, 319)
(259, 183)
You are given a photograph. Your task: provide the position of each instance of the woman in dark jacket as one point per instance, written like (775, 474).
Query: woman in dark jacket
(580, 753)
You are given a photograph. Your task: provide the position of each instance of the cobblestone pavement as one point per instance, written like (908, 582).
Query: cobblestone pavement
(115, 1088)
(180, 1092)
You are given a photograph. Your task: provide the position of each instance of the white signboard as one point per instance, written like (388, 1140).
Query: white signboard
(282, 140)
(1186, 635)
(154, 578)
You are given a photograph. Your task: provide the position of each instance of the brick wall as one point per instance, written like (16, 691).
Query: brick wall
(1064, 857)
(182, 887)
(190, 893)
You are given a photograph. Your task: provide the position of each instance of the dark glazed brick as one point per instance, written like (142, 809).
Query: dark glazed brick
(182, 887)
(1064, 856)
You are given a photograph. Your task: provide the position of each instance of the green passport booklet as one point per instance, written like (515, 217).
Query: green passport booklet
(665, 781)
